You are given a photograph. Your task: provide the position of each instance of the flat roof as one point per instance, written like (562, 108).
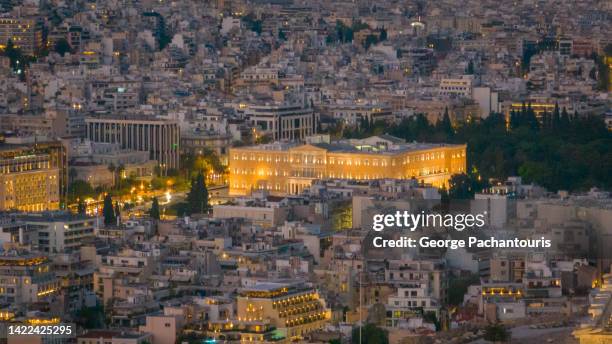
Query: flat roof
(267, 286)
(346, 147)
(133, 118)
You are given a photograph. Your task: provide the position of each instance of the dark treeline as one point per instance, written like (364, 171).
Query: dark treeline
(558, 150)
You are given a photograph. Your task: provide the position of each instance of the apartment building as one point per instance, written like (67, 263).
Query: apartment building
(283, 122)
(26, 278)
(421, 287)
(30, 178)
(24, 32)
(120, 269)
(461, 87)
(60, 232)
(294, 309)
(412, 299)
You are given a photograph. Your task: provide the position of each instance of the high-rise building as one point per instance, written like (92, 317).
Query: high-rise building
(160, 137)
(31, 176)
(289, 168)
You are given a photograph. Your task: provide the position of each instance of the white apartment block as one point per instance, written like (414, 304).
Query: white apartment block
(461, 87)
(283, 122)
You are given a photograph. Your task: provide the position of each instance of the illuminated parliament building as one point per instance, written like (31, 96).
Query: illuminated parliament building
(284, 168)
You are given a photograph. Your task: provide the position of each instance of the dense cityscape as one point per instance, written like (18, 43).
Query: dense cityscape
(212, 171)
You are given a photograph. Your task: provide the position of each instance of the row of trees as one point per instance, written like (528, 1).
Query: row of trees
(557, 150)
(193, 178)
(110, 211)
(197, 203)
(208, 160)
(345, 34)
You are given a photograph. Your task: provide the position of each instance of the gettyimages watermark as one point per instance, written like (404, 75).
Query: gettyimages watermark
(422, 221)
(411, 221)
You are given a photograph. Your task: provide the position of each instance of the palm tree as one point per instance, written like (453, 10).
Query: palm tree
(112, 168)
(72, 174)
(187, 163)
(120, 170)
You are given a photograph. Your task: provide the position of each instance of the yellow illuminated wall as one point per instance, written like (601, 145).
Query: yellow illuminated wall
(294, 312)
(26, 279)
(290, 171)
(29, 183)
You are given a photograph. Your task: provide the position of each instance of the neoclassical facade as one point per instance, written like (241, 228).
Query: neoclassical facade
(159, 137)
(289, 168)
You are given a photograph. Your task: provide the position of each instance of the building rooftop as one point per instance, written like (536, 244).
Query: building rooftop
(388, 145)
(131, 118)
(52, 216)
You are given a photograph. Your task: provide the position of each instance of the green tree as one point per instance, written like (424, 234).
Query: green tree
(464, 186)
(187, 163)
(546, 120)
(113, 169)
(444, 125)
(91, 317)
(558, 157)
(530, 118)
(72, 174)
(207, 161)
(565, 120)
(117, 211)
(469, 70)
(252, 23)
(603, 73)
(370, 334)
(383, 35)
(197, 198)
(12, 53)
(62, 46)
(458, 286)
(369, 41)
(108, 211)
(431, 317)
(120, 171)
(496, 333)
(81, 207)
(79, 189)
(154, 211)
(344, 34)
(556, 118)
